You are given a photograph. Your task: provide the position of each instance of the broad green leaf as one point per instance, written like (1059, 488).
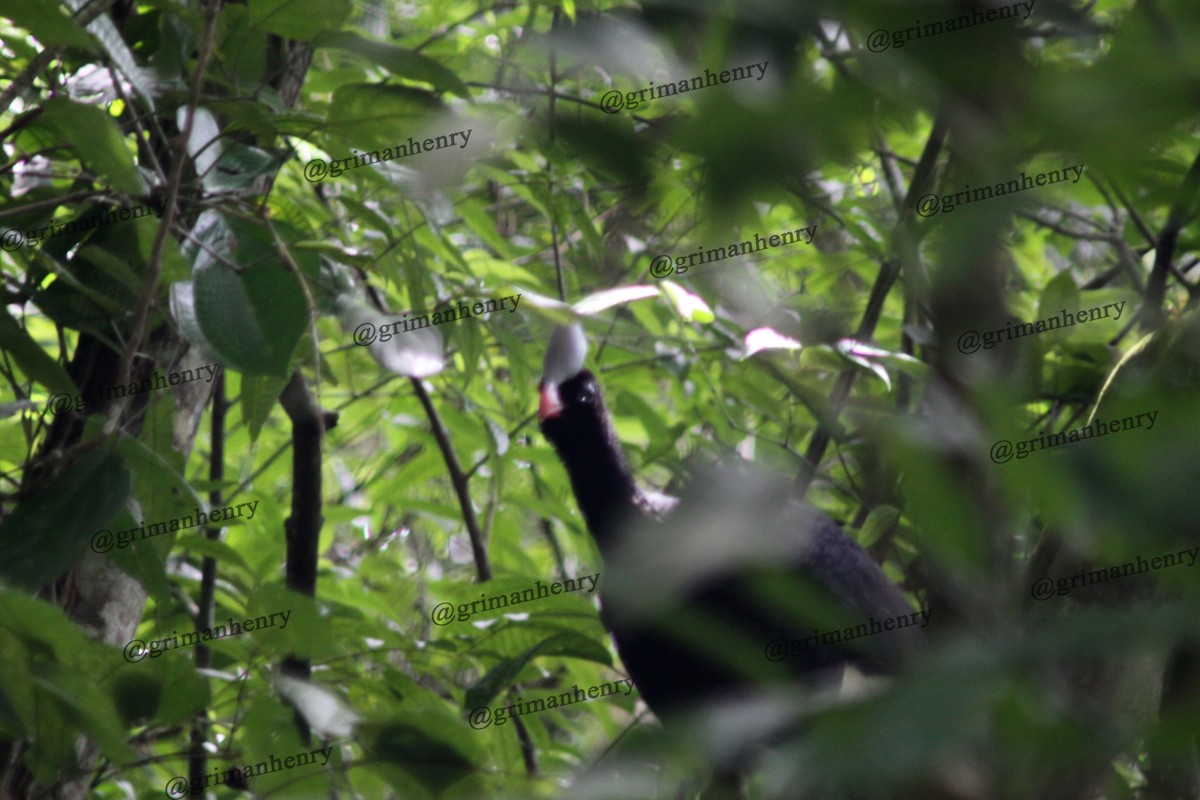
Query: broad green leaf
(162, 491)
(397, 60)
(1060, 293)
(259, 393)
(183, 309)
(426, 747)
(49, 22)
(50, 676)
(144, 560)
(222, 552)
(500, 677)
(253, 317)
(44, 536)
(371, 116)
(298, 19)
(85, 705)
(103, 149)
(879, 521)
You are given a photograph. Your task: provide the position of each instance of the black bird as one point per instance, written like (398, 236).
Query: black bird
(695, 592)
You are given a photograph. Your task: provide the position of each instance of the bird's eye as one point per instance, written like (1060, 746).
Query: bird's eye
(587, 392)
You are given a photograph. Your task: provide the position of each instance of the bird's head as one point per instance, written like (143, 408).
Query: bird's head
(568, 392)
(575, 420)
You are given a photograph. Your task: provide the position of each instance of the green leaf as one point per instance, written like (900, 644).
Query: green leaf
(49, 22)
(1060, 292)
(31, 358)
(186, 692)
(240, 166)
(162, 491)
(298, 19)
(85, 705)
(259, 393)
(143, 559)
(370, 115)
(881, 519)
(102, 150)
(255, 317)
(50, 671)
(210, 547)
(137, 695)
(399, 61)
(426, 747)
(44, 536)
(110, 38)
(500, 677)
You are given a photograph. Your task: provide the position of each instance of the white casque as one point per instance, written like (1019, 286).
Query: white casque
(564, 354)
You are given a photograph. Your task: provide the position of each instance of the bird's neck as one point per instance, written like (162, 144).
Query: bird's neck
(603, 484)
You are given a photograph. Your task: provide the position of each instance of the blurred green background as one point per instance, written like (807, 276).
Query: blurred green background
(836, 364)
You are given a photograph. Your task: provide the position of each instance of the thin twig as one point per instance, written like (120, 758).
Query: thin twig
(154, 267)
(482, 567)
(43, 59)
(889, 271)
(1181, 212)
(198, 760)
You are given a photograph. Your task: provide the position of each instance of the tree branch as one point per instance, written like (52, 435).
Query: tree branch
(303, 526)
(1156, 287)
(198, 759)
(889, 271)
(458, 480)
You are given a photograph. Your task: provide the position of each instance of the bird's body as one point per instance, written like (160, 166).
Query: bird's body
(694, 594)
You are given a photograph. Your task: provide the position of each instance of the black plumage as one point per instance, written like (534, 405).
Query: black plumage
(694, 591)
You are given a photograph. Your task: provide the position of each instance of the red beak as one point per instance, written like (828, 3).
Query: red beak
(549, 405)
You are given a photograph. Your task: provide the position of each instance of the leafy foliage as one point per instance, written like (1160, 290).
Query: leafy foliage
(256, 260)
